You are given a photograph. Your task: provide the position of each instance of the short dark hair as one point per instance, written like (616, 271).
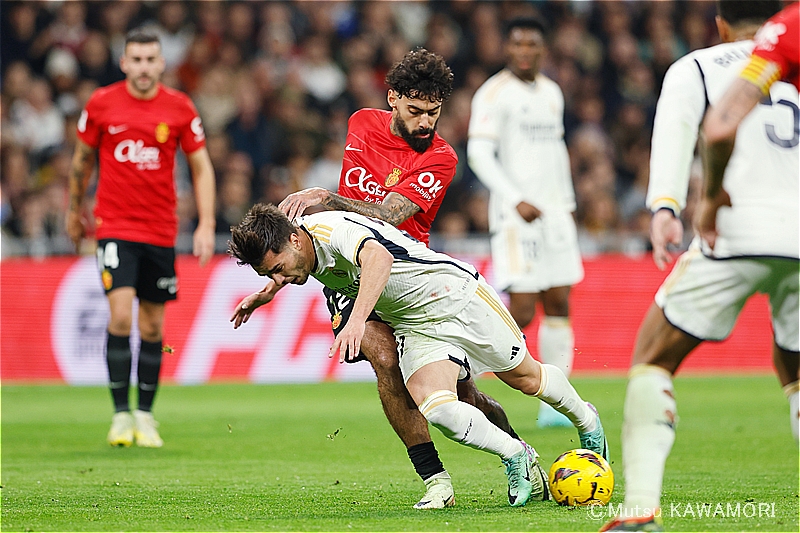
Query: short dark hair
(747, 11)
(421, 74)
(526, 23)
(142, 36)
(264, 228)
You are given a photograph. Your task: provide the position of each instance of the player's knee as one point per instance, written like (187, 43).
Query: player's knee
(441, 409)
(522, 314)
(467, 391)
(120, 325)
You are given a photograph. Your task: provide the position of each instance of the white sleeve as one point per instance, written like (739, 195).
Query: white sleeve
(484, 126)
(482, 158)
(679, 113)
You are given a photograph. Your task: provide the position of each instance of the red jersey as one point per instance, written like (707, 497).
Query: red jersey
(377, 162)
(778, 44)
(137, 141)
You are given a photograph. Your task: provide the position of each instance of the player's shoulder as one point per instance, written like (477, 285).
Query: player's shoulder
(493, 87)
(441, 151)
(107, 93)
(179, 97)
(723, 55)
(369, 117)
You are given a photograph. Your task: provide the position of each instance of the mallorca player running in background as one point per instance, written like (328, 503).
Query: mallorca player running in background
(135, 126)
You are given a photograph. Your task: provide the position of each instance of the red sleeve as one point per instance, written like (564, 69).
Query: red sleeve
(192, 136)
(428, 182)
(88, 123)
(778, 41)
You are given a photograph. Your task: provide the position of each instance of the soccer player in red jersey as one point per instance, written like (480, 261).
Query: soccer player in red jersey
(396, 168)
(136, 126)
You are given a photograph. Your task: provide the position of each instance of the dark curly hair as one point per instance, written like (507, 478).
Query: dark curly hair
(421, 74)
(264, 228)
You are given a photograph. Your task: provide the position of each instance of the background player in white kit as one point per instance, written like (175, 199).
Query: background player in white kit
(756, 251)
(447, 320)
(516, 148)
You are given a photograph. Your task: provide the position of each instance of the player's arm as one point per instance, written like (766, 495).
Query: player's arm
(376, 265)
(204, 193)
(252, 302)
(80, 171)
(679, 112)
(482, 158)
(395, 208)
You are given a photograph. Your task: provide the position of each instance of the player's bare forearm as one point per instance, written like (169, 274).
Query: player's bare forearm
(204, 193)
(395, 208)
(80, 171)
(724, 118)
(715, 158)
(376, 265)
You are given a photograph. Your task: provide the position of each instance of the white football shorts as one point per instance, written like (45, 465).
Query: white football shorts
(704, 296)
(482, 337)
(530, 257)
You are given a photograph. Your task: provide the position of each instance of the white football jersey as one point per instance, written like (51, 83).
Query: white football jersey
(763, 173)
(526, 122)
(424, 286)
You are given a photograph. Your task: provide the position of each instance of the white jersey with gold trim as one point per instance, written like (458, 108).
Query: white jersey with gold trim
(424, 286)
(763, 172)
(526, 122)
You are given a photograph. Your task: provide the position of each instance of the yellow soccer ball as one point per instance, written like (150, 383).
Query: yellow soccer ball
(581, 477)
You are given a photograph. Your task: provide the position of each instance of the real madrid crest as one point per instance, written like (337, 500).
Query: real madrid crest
(393, 177)
(162, 132)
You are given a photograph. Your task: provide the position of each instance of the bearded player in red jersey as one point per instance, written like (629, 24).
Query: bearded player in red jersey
(136, 125)
(396, 168)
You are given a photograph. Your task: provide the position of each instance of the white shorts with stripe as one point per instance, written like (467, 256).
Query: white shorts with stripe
(704, 296)
(536, 256)
(482, 337)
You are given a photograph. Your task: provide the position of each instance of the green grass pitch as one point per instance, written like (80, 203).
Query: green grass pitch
(241, 457)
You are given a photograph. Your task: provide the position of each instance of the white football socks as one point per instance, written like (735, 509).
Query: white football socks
(648, 431)
(792, 390)
(556, 347)
(556, 390)
(467, 425)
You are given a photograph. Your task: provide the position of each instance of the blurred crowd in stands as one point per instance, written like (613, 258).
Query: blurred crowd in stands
(275, 83)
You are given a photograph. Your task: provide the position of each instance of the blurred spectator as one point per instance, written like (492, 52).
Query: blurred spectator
(278, 80)
(36, 123)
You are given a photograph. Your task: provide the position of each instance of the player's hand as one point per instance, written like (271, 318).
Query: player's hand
(665, 228)
(76, 228)
(252, 302)
(296, 203)
(705, 218)
(528, 212)
(348, 340)
(203, 243)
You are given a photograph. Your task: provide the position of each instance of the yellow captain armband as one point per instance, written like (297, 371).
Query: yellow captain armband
(761, 73)
(666, 203)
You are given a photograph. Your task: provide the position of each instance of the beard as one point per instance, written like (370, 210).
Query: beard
(417, 143)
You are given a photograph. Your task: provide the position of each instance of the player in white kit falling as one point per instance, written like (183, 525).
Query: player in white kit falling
(447, 320)
(756, 250)
(516, 148)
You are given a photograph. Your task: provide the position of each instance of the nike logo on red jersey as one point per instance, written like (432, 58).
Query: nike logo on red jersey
(351, 148)
(113, 130)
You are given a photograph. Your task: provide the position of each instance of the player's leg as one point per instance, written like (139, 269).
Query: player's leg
(433, 387)
(468, 392)
(700, 300)
(650, 411)
(786, 365)
(156, 285)
(522, 306)
(784, 303)
(556, 345)
(119, 264)
(380, 349)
